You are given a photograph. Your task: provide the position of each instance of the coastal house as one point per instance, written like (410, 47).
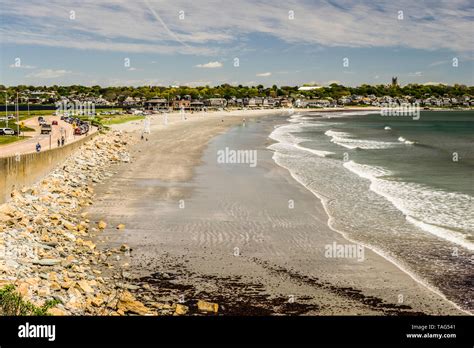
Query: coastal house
(130, 101)
(156, 104)
(215, 103)
(344, 100)
(196, 105)
(286, 103)
(317, 103)
(255, 102)
(232, 102)
(270, 102)
(300, 103)
(182, 104)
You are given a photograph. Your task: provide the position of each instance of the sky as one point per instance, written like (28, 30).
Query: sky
(249, 42)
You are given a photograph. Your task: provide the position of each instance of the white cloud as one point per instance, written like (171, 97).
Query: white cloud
(265, 74)
(431, 83)
(49, 73)
(415, 74)
(212, 28)
(195, 83)
(13, 66)
(210, 65)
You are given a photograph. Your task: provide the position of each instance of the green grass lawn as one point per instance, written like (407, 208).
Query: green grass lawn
(8, 139)
(36, 113)
(117, 119)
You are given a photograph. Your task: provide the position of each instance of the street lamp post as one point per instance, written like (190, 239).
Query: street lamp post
(6, 108)
(17, 117)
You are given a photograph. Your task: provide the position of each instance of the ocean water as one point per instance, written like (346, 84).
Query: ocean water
(402, 187)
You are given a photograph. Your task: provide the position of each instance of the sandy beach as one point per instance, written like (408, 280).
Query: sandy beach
(249, 238)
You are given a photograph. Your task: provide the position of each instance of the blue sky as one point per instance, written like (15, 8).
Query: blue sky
(183, 42)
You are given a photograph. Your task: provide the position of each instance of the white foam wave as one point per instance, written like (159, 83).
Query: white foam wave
(285, 137)
(319, 153)
(437, 212)
(405, 141)
(347, 113)
(346, 140)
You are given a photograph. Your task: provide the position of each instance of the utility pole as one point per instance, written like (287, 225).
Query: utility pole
(6, 107)
(17, 117)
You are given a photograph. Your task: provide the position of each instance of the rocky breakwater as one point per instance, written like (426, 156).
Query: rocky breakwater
(46, 250)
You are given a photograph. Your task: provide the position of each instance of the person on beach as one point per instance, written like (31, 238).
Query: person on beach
(59, 142)
(62, 141)
(38, 147)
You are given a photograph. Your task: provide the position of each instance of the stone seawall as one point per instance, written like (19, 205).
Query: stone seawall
(30, 168)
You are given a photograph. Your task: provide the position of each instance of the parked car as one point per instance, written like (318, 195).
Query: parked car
(82, 129)
(54, 123)
(7, 131)
(46, 128)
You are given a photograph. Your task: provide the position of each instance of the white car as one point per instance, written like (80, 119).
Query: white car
(7, 131)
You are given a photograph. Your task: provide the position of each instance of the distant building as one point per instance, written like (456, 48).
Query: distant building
(309, 88)
(196, 105)
(182, 104)
(216, 103)
(286, 103)
(156, 104)
(394, 81)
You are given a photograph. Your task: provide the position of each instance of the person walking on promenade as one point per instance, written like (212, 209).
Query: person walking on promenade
(38, 147)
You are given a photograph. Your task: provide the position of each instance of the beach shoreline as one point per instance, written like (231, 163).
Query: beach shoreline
(179, 251)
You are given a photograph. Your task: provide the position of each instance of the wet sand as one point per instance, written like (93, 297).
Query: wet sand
(226, 232)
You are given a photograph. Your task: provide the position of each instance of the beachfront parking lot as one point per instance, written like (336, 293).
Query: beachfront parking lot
(59, 129)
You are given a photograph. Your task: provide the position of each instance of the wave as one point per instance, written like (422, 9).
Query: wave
(346, 140)
(340, 114)
(405, 141)
(319, 153)
(285, 137)
(370, 218)
(443, 214)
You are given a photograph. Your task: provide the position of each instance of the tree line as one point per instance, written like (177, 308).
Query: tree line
(334, 91)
